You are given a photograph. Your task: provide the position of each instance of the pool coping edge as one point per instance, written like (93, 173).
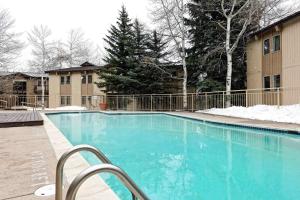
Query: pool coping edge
(185, 115)
(95, 187)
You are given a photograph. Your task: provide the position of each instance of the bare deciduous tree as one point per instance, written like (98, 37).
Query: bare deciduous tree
(42, 48)
(42, 51)
(10, 46)
(97, 57)
(170, 15)
(60, 54)
(232, 10)
(77, 48)
(273, 10)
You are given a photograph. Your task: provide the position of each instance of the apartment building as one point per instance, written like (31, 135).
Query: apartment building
(73, 86)
(273, 60)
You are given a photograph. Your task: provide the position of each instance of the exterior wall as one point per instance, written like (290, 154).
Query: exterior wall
(54, 90)
(254, 70)
(6, 84)
(66, 90)
(254, 64)
(30, 86)
(291, 61)
(76, 89)
(96, 90)
(271, 62)
(285, 62)
(87, 89)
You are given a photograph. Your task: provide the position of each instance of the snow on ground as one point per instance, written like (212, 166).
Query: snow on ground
(288, 114)
(67, 108)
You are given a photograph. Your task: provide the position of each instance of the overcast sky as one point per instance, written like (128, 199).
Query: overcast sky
(94, 17)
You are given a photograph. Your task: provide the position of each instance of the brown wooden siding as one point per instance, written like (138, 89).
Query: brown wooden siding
(254, 64)
(291, 61)
(272, 62)
(87, 89)
(65, 90)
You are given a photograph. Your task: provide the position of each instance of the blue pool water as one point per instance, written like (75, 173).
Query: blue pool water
(177, 158)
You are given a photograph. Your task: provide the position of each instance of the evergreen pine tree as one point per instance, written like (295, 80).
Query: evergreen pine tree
(139, 47)
(155, 78)
(117, 75)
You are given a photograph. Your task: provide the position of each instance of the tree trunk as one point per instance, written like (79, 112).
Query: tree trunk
(185, 76)
(43, 93)
(184, 84)
(229, 62)
(228, 79)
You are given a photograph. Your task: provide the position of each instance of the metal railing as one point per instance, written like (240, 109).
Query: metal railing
(14, 101)
(108, 168)
(62, 161)
(203, 101)
(3, 102)
(174, 102)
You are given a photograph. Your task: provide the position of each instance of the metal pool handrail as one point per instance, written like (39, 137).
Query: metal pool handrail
(63, 159)
(108, 168)
(34, 105)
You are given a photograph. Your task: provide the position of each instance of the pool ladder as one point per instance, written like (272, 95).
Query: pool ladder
(107, 167)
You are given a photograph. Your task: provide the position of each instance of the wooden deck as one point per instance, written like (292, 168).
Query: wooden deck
(20, 118)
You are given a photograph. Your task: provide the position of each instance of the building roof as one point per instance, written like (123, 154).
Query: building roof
(28, 74)
(278, 22)
(86, 66)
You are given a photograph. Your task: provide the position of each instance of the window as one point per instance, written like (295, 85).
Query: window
(62, 100)
(90, 79)
(276, 81)
(86, 100)
(266, 46)
(62, 80)
(65, 100)
(86, 79)
(276, 43)
(68, 101)
(267, 83)
(19, 87)
(83, 79)
(39, 82)
(89, 100)
(83, 100)
(68, 79)
(65, 80)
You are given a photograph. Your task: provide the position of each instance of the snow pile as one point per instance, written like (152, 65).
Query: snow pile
(288, 114)
(67, 108)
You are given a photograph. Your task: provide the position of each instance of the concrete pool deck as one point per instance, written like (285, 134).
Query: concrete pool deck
(27, 162)
(271, 125)
(29, 155)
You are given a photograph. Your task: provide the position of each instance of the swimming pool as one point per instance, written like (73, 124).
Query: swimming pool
(177, 158)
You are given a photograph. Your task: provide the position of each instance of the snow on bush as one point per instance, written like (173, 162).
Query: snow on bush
(288, 114)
